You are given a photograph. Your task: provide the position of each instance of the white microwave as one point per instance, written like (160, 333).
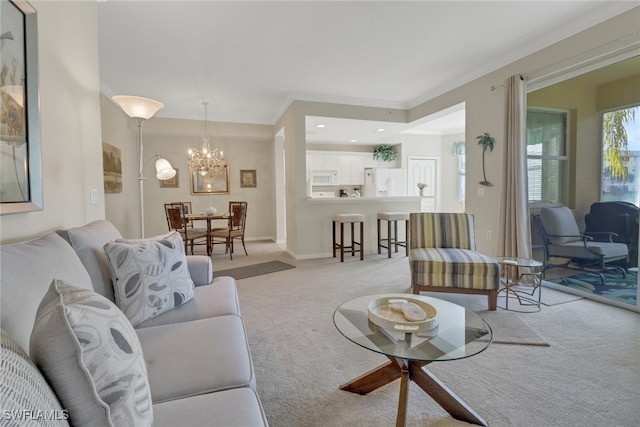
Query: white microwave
(324, 177)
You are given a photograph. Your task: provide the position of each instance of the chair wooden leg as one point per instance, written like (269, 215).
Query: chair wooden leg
(493, 300)
(379, 238)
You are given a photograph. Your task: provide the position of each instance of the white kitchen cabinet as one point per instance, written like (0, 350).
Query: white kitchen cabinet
(351, 169)
(322, 161)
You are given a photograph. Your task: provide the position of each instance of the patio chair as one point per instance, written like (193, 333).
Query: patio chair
(443, 257)
(563, 240)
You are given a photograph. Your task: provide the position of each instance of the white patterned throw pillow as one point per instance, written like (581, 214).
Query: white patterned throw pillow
(91, 356)
(25, 397)
(150, 275)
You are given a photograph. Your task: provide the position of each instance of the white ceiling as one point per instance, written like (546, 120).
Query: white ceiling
(249, 60)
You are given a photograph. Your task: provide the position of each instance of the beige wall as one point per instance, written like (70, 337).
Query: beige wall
(586, 101)
(245, 146)
(71, 137)
(70, 122)
(484, 99)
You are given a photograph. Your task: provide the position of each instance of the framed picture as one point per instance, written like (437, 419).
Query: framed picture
(112, 168)
(248, 178)
(171, 182)
(20, 156)
(210, 182)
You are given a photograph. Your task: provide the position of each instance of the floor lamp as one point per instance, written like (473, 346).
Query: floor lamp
(143, 109)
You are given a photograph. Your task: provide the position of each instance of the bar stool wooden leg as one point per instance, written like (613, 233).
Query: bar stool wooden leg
(406, 237)
(395, 232)
(361, 240)
(389, 240)
(342, 242)
(379, 238)
(333, 242)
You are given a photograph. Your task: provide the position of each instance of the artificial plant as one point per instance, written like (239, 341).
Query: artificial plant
(385, 153)
(486, 141)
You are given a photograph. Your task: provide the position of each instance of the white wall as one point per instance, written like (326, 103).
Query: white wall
(70, 121)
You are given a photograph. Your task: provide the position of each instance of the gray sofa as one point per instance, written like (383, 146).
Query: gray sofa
(196, 356)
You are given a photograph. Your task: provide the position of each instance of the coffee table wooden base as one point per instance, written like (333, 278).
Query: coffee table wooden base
(409, 370)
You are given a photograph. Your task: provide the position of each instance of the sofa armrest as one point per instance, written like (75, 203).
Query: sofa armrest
(201, 269)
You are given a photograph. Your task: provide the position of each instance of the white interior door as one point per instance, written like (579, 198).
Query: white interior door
(422, 169)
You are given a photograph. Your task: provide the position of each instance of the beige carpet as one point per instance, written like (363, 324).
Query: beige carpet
(588, 376)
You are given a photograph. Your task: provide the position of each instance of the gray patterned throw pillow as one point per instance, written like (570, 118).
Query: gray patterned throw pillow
(91, 356)
(150, 275)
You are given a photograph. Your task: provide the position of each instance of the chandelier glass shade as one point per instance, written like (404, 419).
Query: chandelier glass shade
(205, 160)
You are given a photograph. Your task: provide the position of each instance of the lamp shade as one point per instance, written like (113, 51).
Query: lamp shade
(138, 107)
(164, 170)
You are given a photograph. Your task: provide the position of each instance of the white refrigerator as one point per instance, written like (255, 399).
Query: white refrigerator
(384, 182)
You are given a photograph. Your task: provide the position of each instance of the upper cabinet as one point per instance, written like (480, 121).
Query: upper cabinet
(351, 170)
(350, 165)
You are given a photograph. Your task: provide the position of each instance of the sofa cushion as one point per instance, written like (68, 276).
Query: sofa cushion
(239, 407)
(27, 270)
(191, 358)
(150, 276)
(25, 391)
(91, 356)
(220, 298)
(88, 241)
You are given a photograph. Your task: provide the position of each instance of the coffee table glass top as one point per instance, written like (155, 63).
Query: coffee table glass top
(461, 333)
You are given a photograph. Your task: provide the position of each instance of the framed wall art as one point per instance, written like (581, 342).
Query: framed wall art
(20, 155)
(248, 178)
(171, 182)
(112, 168)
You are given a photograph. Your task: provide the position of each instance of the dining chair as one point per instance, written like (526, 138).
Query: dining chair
(237, 222)
(176, 220)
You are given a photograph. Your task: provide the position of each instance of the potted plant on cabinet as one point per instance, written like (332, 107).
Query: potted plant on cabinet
(386, 153)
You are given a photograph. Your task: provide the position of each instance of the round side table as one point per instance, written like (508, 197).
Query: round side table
(529, 280)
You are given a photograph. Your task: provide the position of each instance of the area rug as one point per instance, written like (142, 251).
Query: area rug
(255, 269)
(616, 287)
(509, 329)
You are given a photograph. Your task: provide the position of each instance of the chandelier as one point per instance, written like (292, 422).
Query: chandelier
(205, 160)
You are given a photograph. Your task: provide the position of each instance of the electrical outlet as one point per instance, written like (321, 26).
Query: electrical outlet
(489, 234)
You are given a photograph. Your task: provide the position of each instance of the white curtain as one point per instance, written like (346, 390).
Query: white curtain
(516, 238)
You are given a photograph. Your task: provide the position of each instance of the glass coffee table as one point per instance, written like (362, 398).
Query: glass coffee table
(461, 333)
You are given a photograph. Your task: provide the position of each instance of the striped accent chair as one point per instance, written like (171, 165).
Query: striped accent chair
(443, 257)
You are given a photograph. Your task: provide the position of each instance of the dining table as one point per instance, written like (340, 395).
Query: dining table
(209, 218)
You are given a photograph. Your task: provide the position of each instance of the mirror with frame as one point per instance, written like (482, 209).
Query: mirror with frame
(210, 182)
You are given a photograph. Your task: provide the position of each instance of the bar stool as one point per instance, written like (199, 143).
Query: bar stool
(349, 219)
(392, 239)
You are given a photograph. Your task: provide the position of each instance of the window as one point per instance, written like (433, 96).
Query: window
(621, 156)
(547, 160)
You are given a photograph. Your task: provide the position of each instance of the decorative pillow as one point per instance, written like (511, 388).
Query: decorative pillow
(91, 356)
(150, 276)
(25, 397)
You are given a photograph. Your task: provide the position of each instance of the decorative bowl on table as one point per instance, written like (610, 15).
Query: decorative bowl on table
(211, 210)
(392, 320)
